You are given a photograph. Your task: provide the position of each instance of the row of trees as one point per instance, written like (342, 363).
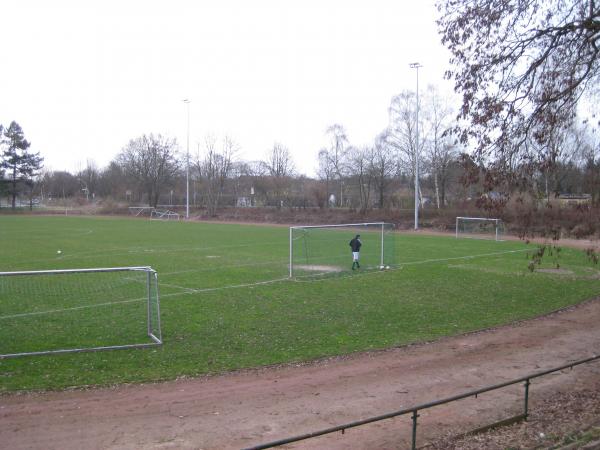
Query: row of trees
(521, 67)
(150, 169)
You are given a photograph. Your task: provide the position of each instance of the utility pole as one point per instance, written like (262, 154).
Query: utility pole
(417, 65)
(187, 163)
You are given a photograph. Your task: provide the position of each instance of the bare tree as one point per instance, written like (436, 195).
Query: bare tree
(582, 152)
(88, 177)
(337, 155)
(402, 132)
(521, 67)
(112, 181)
(326, 172)
(214, 167)
(151, 162)
(439, 148)
(384, 165)
(59, 185)
(279, 162)
(280, 167)
(361, 161)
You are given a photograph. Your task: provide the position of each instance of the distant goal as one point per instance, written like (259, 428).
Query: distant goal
(324, 249)
(164, 215)
(78, 310)
(479, 228)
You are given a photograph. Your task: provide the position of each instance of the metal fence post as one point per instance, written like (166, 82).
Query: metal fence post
(527, 398)
(414, 429)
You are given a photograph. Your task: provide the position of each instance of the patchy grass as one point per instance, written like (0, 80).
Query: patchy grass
(227, 304)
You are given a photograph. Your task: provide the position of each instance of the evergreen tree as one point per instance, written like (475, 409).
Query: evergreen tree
(21, 166)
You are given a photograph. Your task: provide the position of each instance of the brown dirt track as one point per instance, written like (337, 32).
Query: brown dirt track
(251, 407)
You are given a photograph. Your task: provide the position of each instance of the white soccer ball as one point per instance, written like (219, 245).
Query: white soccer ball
(381, 267)
(387, 267)
(58, 252)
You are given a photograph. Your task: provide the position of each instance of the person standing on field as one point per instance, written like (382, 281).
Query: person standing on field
(355, 245)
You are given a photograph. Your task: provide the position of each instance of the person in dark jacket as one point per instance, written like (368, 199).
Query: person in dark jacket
(355, 245)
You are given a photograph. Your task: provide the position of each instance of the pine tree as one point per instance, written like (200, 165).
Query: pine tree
(21, 165)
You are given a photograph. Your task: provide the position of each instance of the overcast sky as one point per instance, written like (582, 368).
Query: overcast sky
(84, 77)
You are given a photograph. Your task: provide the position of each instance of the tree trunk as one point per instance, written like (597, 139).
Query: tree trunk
(437, 189)
(13, 183)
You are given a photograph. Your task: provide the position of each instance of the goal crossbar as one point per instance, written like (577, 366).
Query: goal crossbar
(339, 225)
(153, 330)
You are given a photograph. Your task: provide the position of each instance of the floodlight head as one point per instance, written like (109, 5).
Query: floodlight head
(415, 65)
(186, 100)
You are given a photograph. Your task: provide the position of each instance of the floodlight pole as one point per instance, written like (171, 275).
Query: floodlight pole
(416, 65)
(187, 164)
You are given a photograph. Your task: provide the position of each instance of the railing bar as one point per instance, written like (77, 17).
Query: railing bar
(414, 409)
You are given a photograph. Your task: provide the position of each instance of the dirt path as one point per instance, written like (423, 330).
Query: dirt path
(251, 407)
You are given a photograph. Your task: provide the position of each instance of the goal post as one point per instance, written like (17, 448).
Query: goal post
(78, 310)
(319, 249)
(479, 228)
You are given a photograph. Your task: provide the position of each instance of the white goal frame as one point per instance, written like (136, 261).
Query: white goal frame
(163, 215)
(153, 325)
(343, 225)
(497, 223)
(141, 210)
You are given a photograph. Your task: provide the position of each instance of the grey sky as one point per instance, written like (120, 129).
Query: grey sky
(82, 78)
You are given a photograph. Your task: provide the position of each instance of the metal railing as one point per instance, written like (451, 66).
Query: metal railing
(414, 411)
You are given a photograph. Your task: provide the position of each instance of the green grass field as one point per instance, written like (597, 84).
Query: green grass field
(227, 303)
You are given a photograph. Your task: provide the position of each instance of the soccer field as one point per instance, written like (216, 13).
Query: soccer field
(227, 302)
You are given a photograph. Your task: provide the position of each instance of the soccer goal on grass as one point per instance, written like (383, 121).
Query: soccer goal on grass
(78, 310)
(320, 249)
(479, 228)
(164, 215)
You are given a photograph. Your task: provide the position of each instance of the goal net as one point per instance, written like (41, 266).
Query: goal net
(65, 311)
(321, 249)
(479, 228)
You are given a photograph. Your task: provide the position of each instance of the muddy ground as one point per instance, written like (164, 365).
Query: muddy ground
(247, 408)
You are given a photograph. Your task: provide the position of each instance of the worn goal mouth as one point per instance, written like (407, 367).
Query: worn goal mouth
(319, 268)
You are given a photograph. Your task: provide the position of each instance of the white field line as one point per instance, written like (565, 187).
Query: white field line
(187, 291)
(74, 308)
(221, 288)
(425, 261)
(228, 266)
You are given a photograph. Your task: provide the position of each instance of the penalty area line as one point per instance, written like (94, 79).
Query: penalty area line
(187, 291)
(74, 308)
(454, 258)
